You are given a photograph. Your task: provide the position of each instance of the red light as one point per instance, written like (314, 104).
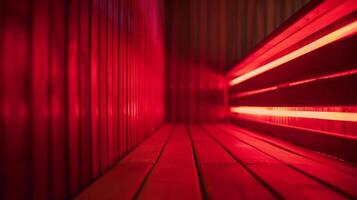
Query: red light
(340, 33)
(305, 81)
(293, 112)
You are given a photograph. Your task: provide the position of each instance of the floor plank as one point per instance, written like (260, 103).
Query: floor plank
(337, 179)
(120, 182)
(208, 151)
(287, 182)
(223, 177)
(150, 149)
(172, 181)
(125, 178)
(292, 184)
(312, 155)
(220, 161)
(178, 149)
(175, 174)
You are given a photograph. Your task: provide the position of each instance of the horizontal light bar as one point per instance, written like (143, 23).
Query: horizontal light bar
(342, 32)
(290, 112)
(300, 82)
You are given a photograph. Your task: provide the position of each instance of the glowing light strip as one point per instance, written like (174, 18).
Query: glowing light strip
(327, 39)
(301, 82)
(269, 111)
(304, 128)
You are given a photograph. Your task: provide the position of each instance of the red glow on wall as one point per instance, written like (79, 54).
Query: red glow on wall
(309, 21)
(297, 112)
(343, 32)
(295, 83)
(300, 82)
(81, 85)
(85, 84)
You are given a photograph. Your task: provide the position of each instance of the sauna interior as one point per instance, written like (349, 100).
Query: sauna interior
(178, 99)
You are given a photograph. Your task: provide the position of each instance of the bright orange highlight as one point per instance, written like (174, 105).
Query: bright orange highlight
(300, 82)
(292, 112)
(327, 39)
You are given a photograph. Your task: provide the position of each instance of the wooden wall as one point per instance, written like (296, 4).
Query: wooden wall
(205, 38)
(81, 84)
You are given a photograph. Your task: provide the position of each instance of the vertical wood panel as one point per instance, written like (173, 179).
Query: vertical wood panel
(40, 149)
(204, 38)
(16, 103)
(81, 84)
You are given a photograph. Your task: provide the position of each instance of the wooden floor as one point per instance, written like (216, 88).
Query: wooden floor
(220, 161)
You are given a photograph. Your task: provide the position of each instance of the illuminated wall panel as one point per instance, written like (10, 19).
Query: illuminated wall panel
(81, 85)
(329, 120)
(204, 38)
(303, 77)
